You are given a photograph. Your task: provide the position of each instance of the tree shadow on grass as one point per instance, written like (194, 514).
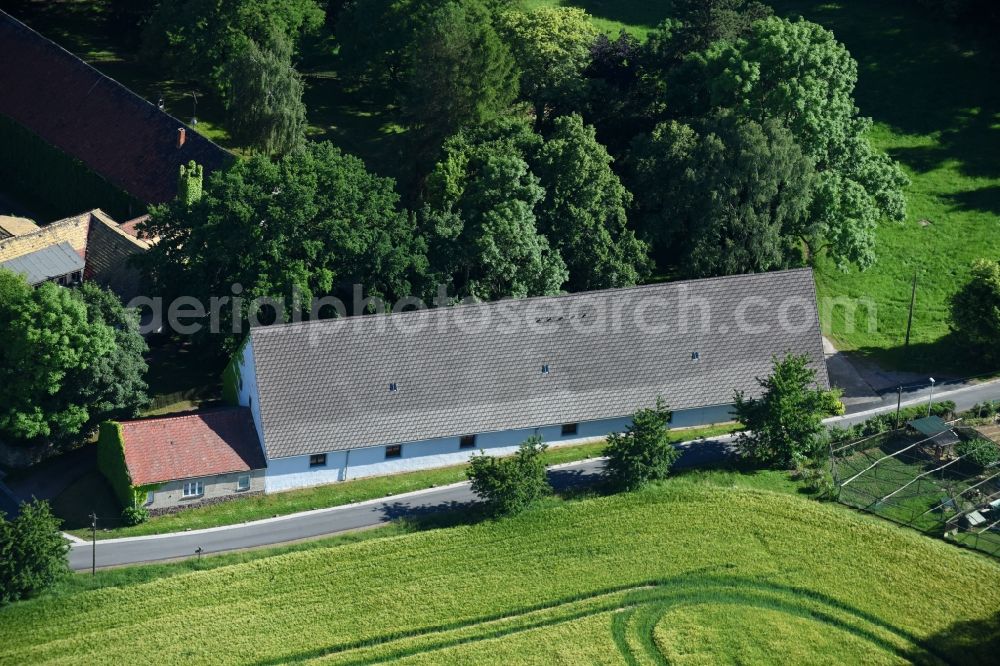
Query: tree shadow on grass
(946, 359)
(631, 12)
(919, 74)
(966, 642)
(985, 199)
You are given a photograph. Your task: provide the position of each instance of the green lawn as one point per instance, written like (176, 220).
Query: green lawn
(92, 493)
(700, 569)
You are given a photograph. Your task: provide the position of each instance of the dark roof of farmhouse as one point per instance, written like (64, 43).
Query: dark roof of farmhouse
(328, 385)
(125, 139)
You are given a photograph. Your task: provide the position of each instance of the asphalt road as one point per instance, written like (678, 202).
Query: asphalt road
(113, 552)
(965, 396)
(324, 522)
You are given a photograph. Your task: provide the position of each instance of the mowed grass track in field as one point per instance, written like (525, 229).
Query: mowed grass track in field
(931, 88)
(568, 582)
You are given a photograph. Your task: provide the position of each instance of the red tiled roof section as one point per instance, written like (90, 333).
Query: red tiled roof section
(131, 226)
(120, 136)
(191, 446)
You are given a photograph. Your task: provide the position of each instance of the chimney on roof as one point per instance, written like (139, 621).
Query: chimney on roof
(181, 132)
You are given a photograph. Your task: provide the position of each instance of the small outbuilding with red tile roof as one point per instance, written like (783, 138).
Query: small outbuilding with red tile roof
(192, 459)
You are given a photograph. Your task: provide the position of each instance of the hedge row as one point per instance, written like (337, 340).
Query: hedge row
(887, 421)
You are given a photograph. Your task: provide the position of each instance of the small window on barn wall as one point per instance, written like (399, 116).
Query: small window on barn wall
(394, 451)
(467, 442)
(194, 488)
(242, 482)
(149, 497)
(569, 429)
(317, 460)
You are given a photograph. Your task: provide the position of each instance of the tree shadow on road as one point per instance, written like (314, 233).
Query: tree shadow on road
(433, 516)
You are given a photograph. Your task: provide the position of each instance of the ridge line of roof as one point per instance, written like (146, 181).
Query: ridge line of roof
(56, 224)
(104, 76)
(274, 328)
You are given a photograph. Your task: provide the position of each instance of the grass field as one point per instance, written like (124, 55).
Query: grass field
(92, 493)
(700, 569)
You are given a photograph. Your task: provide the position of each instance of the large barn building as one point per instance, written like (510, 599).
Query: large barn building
(346, 398)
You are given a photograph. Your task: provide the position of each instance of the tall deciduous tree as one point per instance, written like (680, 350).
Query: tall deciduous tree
(114, 386)
(785, 422)
(315, 221)
(616, 104)
(49, 344)
(583, 213)
(198, 39)
(723, 196)
(694, 25)
(264, 105)
(798, 74)
(552, 47)
(480, 212)
(374, 36)
(459, 74)
(975, 309)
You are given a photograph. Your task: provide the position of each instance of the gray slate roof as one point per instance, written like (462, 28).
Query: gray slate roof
(324, 386)
(47, 263)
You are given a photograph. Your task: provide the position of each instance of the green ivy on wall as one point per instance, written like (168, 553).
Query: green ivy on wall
(111, 463)
(231, 376)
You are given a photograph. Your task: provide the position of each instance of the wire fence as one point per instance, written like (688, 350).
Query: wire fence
(925, 483)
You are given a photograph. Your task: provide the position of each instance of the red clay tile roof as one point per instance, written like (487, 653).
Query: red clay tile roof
(120, 136)
(191, 446)
(130, 226)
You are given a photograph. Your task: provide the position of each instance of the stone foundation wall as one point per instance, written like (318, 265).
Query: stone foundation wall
(205, 502)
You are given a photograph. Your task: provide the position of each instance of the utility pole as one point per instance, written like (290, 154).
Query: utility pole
(909, 320)
(93, 544)
(930, 398)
